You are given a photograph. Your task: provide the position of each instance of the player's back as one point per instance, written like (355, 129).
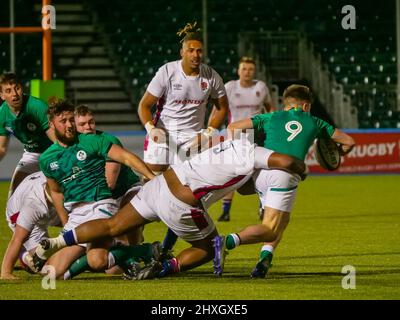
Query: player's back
(28, 203)
(217, 171)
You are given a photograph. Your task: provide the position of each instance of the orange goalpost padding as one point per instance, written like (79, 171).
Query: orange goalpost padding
(46, 43)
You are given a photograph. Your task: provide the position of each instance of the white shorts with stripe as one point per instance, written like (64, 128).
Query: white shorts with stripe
(102, 209)
(277, 189)
(156, 202)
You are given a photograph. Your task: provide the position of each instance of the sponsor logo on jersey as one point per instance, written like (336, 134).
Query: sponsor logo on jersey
(31, 126)
(81, 155)
(258, 94)
(204, 85)
(177, 86)
(188, 101)
(54, 165)
(237, 95)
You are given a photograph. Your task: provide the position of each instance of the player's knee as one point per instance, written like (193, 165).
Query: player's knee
(98, 262)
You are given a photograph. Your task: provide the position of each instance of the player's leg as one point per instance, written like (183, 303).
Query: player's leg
(124, 220)
(274, 222)
(63, 260)
(98, 256)
(226, 207)
(199, 253)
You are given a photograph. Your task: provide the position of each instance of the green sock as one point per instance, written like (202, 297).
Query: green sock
(77, 267)
(232, 241)
(265, 254)
(122, 253)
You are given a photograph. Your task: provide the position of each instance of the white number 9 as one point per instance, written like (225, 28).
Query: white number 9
(293, 127)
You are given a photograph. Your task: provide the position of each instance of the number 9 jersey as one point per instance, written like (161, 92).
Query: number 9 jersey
(291, 132)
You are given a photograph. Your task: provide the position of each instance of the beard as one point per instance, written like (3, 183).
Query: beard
(64, 139)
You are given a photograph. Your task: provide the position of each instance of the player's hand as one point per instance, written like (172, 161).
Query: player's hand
(8, 276)
(201, 141)
(156, 134)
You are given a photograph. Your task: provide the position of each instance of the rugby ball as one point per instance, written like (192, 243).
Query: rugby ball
(327, 153)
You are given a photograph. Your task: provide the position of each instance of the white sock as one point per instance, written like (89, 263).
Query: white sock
(59, 242)
(111, 260)
(236, 239)
(67, 275)
(267, 247)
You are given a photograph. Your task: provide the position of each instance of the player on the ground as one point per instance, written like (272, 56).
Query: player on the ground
(25, 117)
(247, 97)
(290, 132)
(181, 90)
(29, 214)
(187, 191)
(75, 171)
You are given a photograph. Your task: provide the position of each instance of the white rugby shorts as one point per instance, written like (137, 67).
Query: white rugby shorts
(155, 202)
(277, 189)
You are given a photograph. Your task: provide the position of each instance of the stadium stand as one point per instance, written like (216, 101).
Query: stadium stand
(125, 43)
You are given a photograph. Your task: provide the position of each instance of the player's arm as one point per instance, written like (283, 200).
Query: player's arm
(4, 140)
(346, 142)
(144, 111)
(268, 159)
(112, 172)
(129, 159)
(235, 128)
(19, 236)
(218, 113)
(58, 200)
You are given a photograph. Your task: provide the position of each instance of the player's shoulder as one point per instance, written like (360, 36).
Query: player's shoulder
(49, 152)
(209, 72)
(170, 67)
(33, 102)
(259, 84)
(108, 136)
(231, 84)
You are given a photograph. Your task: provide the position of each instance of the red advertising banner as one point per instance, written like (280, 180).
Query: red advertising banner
(375, 152)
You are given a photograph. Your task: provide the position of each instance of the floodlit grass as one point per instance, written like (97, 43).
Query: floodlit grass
(336, 221)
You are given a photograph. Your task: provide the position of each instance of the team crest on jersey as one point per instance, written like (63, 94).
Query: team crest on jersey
(81, 155)
(31, 126)
(54, 165)
(204, 85)
(258, 94)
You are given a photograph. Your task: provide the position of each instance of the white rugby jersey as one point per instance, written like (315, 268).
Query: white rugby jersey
(183, 99)
(246, 102)
(27, 206)
(221, 169)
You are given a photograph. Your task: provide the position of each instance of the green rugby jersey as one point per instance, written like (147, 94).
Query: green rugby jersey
(291, 132)
(29, 126)
(79, 169)
(126, 178)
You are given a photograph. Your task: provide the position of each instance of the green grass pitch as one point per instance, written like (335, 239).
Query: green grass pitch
(336, 221)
